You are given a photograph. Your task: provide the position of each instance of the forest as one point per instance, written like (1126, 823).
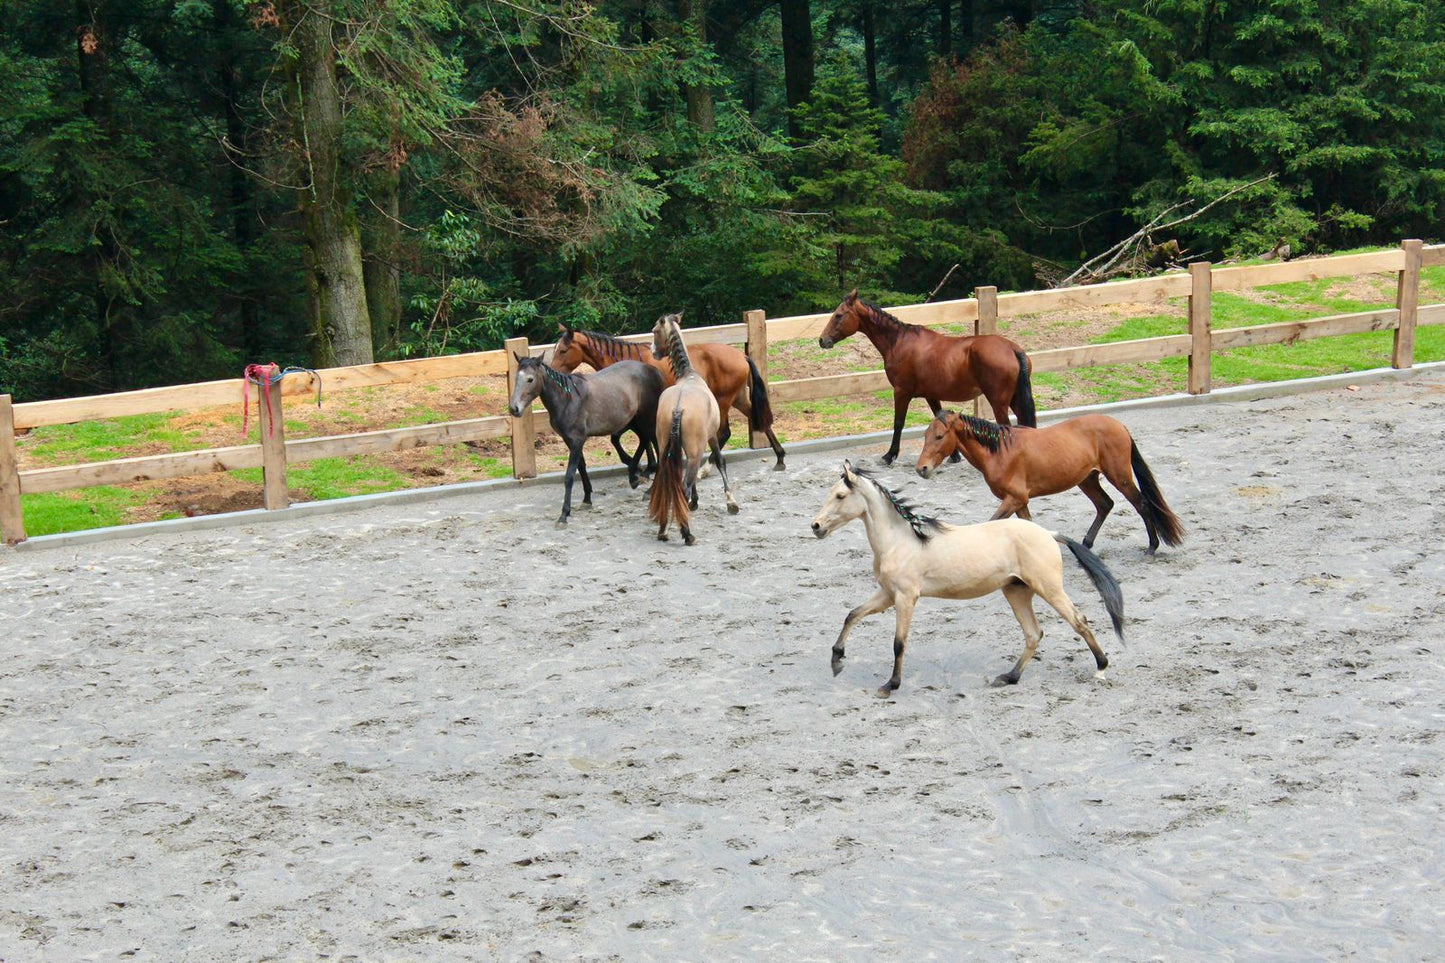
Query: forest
(188, 186)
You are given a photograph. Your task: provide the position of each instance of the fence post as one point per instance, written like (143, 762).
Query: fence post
(273, 446)
(987, 323)
(12, 518)
(757, 351)
(524, 434)
(1201, 315)
(1407, 299)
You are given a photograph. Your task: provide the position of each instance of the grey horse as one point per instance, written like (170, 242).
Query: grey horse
(616, 399)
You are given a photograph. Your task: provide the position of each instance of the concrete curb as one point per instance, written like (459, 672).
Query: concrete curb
(354, 503)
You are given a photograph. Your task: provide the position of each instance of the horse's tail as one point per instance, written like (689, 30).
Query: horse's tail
(1165, 522)
(1103, 580)
(761, 409)
(1023, 401)
(668, 498)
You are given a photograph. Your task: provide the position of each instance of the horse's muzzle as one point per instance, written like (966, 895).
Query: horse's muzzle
(514, 411)
(819, 530)
(826, 342)
(924, 471)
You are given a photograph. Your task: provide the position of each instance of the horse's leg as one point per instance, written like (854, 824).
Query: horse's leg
(900, 412)
(723, 473)
(1102, 505)
(586, 482)
(1021, 600)
(879, 601)
(631, 461)
(1055, 596)
(903, 613)
(574, 459)
(1011, 505)
(1123, 479)
(689, 482)
(1000, 406)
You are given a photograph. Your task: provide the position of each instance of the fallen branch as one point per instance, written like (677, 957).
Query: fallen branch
(1099, 267)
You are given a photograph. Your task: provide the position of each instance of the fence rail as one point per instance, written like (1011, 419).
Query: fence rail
(274, 452)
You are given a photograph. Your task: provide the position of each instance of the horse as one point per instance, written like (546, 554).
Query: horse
(916, 555)
(687, 419)
(1019, 463)
(922, 363)
(732, 376)
(622, 398)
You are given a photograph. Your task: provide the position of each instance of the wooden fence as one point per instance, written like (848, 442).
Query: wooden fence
(274, 453)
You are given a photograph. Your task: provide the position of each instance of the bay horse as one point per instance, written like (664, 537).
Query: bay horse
(1018, 463)
(923, 363)
(622, 398)
(687, 420)
(732, 376)
(916, 556)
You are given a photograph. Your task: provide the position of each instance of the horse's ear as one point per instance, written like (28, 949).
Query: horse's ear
(852, 296)
(848, 472)
(517, 356)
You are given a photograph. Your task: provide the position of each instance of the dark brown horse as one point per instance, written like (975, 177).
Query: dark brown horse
(922, 363)
(733, 377)
(1019, 463)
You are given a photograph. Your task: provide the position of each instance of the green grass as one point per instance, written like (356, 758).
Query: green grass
(49, 513)
(112, 438)
(328, 478)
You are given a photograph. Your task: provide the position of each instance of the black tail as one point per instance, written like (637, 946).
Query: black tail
(1165, 522)
(1103, 580)
(668, 497)
(1023, 402)
(761, 414)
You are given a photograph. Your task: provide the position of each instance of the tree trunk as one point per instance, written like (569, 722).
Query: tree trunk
(238, 185)
(870, 52)
(698, 96)
(945, 27)
(797, 57)
(341, 324)
(92, 49)
(382, 266)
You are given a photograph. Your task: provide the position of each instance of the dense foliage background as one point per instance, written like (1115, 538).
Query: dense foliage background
(190, 185)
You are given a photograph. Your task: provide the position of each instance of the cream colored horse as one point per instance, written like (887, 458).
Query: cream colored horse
(915, 556)
(687, 422)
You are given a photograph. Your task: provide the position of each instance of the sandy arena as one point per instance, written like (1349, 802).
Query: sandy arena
(445, 730)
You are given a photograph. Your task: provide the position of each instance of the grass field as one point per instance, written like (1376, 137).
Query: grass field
(365, 409)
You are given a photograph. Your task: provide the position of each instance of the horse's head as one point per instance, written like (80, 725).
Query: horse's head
(668, 327)
(528, 385)
(569, 352)
(844, 503)
(940, 441)
(843, 321)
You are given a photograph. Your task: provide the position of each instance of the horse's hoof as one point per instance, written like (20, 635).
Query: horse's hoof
(633, 481)
(732, 508)
(560, 524)
(1099, 675)
(690, 539)
(780, 466)
(884, 692)
(888, 460)
(662, 536)
(1006, 679)
(837, 665)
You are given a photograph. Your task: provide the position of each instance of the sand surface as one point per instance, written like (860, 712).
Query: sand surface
(447, 731)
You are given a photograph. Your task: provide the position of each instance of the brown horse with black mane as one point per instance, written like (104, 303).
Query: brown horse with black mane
(731, 375)
(1019, 463)
(922, 363)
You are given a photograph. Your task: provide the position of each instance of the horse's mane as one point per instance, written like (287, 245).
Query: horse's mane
(676, 349)
(887, 320)
(924, 526)
(562, 379)
(990, 434)
(613, 346)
